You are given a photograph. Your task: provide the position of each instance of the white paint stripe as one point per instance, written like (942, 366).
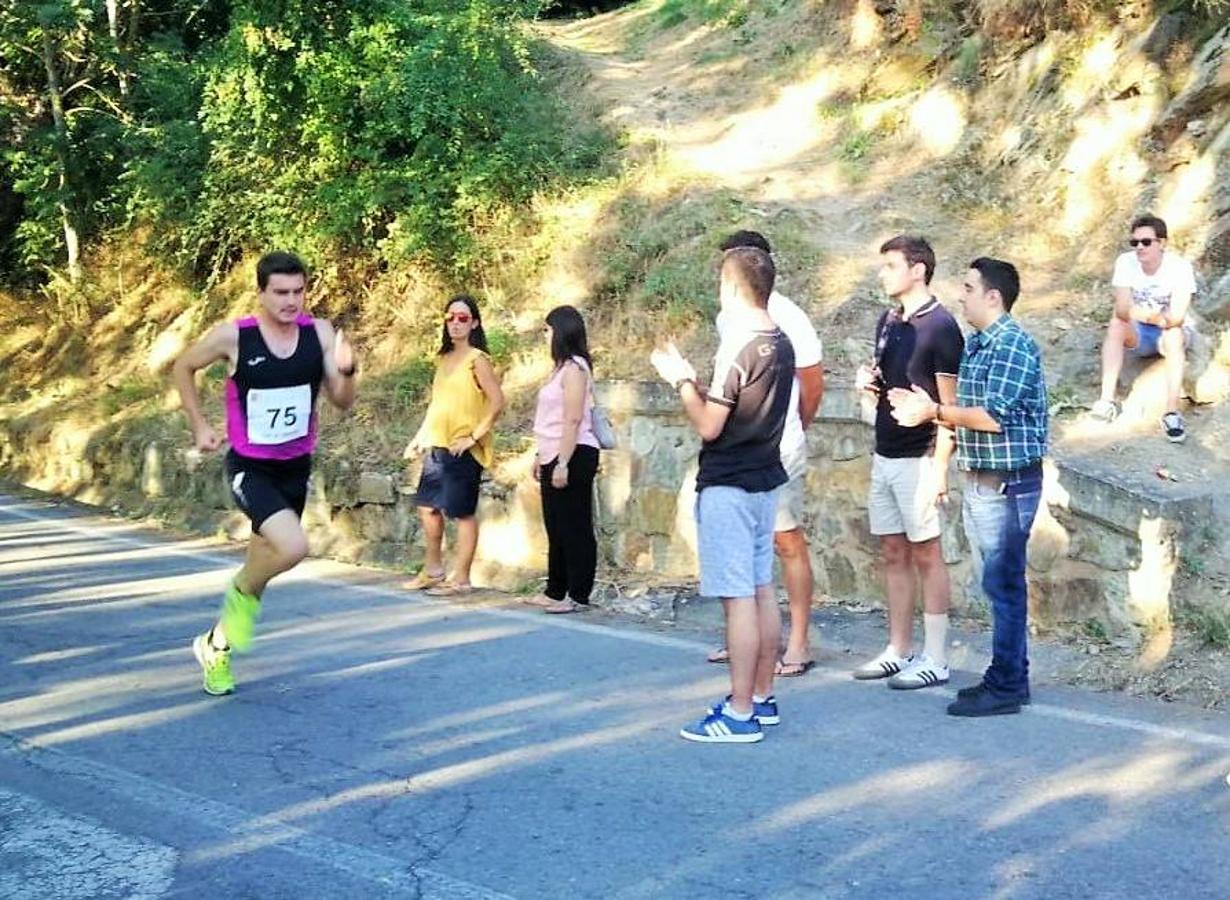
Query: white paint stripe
(1096, 720)
(245, 831)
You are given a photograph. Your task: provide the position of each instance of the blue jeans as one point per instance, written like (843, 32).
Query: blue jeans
(997, 523)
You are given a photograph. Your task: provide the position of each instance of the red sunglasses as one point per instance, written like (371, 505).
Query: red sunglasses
(461, 317)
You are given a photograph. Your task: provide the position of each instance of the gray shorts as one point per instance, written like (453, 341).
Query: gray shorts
(734, 537)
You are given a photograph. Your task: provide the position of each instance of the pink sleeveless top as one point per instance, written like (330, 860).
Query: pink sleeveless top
(271, 401)
(549, 416)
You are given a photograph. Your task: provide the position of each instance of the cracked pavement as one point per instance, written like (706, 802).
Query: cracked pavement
(382, 744)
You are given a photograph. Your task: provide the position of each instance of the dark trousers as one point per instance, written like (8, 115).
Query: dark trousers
(997, 523)
(568, 513)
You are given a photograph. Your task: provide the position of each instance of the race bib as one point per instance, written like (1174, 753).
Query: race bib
(279, 415)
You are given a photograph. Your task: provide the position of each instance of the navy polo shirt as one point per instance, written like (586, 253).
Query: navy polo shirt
(913, 352)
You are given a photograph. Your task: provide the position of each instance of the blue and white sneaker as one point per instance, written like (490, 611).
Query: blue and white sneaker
(765, 713)
(719, 728)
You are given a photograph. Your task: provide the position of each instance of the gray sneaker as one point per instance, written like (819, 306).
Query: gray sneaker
(1175, 427)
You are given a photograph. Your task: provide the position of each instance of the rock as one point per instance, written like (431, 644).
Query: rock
(1197, 127)
(1163, 36)
(1208, 86)
(376, 487)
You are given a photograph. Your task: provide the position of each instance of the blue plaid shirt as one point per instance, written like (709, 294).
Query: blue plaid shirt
(1001, 371)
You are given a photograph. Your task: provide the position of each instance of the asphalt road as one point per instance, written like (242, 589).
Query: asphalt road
(384, 744)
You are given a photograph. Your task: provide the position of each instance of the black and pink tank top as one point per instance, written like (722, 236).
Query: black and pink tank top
(270, 401)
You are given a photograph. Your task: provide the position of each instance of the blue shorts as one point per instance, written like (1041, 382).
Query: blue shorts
(1150, 340)
(734, 537)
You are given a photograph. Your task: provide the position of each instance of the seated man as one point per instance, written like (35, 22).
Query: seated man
(1153, 288)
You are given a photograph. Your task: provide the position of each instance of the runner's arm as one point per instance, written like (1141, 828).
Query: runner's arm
(339, 386)
(222, 342)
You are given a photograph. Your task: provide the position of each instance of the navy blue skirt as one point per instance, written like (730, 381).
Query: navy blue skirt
(449, 483)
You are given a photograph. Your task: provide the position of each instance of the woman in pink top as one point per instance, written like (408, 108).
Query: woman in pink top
(566, 464)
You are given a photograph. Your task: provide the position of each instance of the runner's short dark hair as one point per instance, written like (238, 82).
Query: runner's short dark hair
(278, 262)
(746, 239)
(752, 270)
(1000, 275)
(915, 249)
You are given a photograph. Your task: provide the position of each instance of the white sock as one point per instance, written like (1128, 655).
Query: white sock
(935, 637)
(891, 651)
(756, 698)
(728, 710)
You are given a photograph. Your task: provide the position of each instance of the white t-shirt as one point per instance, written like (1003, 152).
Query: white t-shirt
(808, 351)
(1154, 292)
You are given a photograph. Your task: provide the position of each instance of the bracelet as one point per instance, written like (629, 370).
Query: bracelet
(682, 381)
(939, 412)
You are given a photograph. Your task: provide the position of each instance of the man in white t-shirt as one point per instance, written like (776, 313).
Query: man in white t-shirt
(1153, 289)
(788, 538)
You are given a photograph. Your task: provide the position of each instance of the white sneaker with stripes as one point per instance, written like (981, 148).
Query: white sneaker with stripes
(885, 665)
(922, 672)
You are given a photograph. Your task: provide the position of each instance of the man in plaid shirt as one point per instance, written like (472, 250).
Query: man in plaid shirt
(1001, 422)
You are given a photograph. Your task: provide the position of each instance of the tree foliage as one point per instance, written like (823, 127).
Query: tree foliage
(382, 127)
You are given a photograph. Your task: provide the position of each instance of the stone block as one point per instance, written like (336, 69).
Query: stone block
(652, 511)
(376, 487)
(841, 578)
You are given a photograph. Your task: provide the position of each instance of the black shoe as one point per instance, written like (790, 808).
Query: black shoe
(980, 687)
(984, 703)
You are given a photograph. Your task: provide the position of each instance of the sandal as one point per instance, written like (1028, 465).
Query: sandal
(540, 600)
(720, 656)
(793, 669)
(450, 589)
(564, 607)
(423, 579)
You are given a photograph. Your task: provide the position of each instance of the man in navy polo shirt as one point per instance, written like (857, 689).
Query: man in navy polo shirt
(917, 342)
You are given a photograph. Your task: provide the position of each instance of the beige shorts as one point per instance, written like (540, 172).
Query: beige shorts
(791, 496)
(790, 500)
(896, 504)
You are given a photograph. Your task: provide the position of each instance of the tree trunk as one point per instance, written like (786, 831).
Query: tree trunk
(113, 25)
(71, 239)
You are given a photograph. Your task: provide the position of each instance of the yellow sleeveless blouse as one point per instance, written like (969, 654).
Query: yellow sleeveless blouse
(457, 407)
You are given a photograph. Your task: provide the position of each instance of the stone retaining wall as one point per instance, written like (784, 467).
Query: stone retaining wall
(1103, 549)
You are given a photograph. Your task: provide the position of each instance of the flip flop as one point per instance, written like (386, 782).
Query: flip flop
(719, 657)
(448, 589)
(798, 668)
(564, 609)
(422, 580)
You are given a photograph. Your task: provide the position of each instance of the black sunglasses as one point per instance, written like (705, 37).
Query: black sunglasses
(1141, 242)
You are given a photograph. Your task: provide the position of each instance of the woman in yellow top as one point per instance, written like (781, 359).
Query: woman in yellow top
(466, 399)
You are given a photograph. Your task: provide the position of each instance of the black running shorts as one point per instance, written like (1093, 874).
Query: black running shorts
(262, 487)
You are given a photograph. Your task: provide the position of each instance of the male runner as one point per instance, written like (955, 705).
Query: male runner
(279, 359)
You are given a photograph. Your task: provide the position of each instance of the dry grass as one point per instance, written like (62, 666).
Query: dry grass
(1010, 19)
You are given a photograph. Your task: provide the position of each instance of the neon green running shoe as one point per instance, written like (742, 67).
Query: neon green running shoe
(239, 614)
(216, 664)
